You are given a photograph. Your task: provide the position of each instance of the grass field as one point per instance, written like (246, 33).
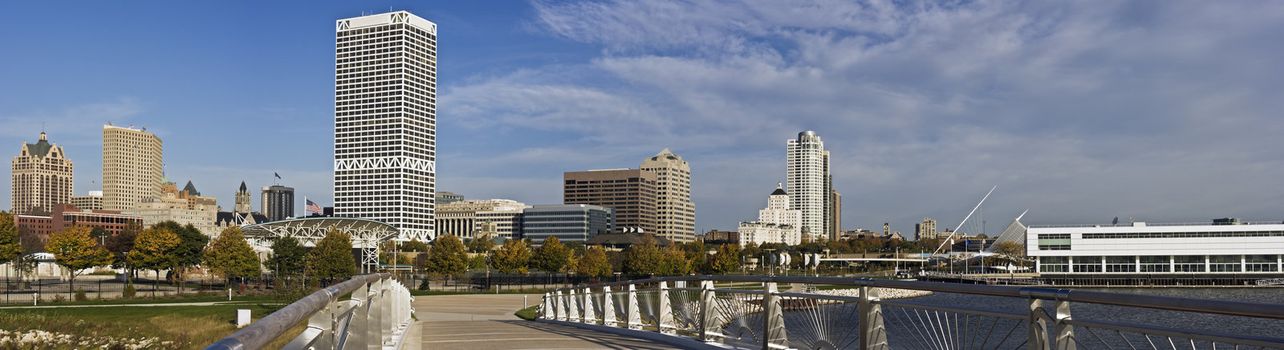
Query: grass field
(164, 327)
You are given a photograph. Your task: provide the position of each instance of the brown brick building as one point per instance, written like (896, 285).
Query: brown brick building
(67, 215)
(630, 192)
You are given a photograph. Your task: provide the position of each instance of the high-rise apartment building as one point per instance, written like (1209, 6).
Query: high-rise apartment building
(386, 120)
(278, 202)
(90, 201)
(925, 229)
(674, 210)
(133, 167)
(629, 192)
(810, 185)
(42, 178)
(835, 214)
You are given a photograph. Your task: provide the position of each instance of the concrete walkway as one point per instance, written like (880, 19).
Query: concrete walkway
(486, 321)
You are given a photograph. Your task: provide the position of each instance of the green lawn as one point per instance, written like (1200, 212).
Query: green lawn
(183, 327)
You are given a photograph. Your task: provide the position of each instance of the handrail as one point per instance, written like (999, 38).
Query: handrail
(1232, 308)
(258, 334)
(702, 310)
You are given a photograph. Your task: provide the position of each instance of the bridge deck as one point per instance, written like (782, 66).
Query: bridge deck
(481, 322)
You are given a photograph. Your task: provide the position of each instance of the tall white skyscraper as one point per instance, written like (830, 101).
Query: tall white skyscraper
(385, 121)
(809, 183)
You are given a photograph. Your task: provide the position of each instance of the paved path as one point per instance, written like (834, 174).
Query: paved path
(486, 321)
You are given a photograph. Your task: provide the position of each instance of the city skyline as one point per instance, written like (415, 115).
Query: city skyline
(1106, 135)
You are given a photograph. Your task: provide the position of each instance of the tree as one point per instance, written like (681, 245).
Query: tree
(191, 244)
(593, 263)
(154, 249)
(512, 257)
(726, 260)
(480, 245)
(10, 242)
(674, 262)
(448, 257)
(414, 245)
(121, 244)
(643, 258)
(332, 258)
(75, 249)
(1013, 252)
(231, 256)
(288, 257)
(552, 256)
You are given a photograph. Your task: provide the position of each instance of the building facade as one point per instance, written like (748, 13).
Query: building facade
(444, 198)
(243, 203)
(630, 193)
(926, 229)
(133, 167)
(835, 214)
(674, 210)
(385, 136)
(90, 201)
(67, 215)
(278, 202)
(809, 182)
(42, 177)
(777, 223)
(186, 206)
(477, 218)
(1225, 247)
(567, 222)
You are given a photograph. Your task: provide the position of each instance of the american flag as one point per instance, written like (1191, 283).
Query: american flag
(311, 207)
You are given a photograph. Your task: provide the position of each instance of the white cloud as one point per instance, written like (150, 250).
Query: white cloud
(1081, 110)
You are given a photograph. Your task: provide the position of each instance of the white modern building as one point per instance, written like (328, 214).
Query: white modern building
(776, 223)
(809, 182)
(385, 115)
(1224, 246)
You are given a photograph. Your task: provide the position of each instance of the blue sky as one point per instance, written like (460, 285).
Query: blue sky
(1080, 112)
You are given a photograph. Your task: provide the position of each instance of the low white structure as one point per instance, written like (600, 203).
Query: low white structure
(776, 223)
(1225, 246)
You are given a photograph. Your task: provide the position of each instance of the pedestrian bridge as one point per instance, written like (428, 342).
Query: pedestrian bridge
(776, 312)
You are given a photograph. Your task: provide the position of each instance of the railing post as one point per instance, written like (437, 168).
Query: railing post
(773, 321)
(608, 308)
(358, 324)
(707, 309)
(664, 312)
(590, 313)
(573, 313)
(374, 337)
(873, 333)
(560, 307)
(546, 307)
(1063, 330)
(1038, 326)
(633, 317)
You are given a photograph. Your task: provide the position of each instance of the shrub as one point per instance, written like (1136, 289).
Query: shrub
(59, 298)
(80, 294)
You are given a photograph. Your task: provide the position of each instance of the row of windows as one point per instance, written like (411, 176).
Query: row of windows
(1195, 263)
(1183, 234)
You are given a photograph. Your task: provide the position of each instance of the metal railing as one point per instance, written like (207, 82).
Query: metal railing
(375, 316)
(962, 316)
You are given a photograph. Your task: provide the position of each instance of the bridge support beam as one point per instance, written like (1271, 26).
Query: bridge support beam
(873, 333)
(707, 310)
(608, 308)
(664, 311)
(633, 315)
(773, 322)
(590, 309)
(1064, 332)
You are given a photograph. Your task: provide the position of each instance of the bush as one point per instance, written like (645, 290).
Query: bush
(129, 291)
(59, 298)
(424, 285)
(80, 294)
